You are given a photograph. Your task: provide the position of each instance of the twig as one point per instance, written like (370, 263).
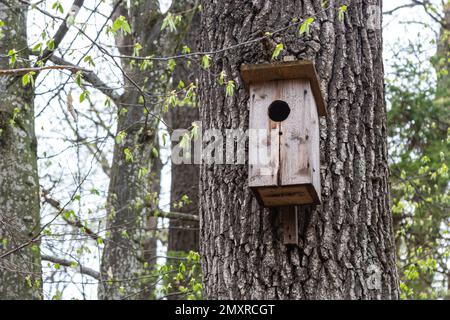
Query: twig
(72, 68)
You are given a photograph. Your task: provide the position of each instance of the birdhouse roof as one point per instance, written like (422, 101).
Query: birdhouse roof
(300, 69)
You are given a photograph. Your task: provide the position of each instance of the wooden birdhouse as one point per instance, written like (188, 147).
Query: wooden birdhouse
(284, 156)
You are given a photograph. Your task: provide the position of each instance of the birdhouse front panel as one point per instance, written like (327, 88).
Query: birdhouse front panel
(284, 151)
(284, 135)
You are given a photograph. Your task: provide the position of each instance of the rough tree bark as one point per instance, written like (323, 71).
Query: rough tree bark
(346, 248)
(130, 251)
(20, 272)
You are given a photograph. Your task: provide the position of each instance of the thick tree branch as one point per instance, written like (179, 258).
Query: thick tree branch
(62, 31)
(68, 263)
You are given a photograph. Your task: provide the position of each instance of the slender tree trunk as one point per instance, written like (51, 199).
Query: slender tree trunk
(346, 248)
(443, 57)
(130, 251)
(20, 272)
(184, 235)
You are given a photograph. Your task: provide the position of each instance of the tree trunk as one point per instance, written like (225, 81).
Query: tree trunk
(346, 248)
(20, 272)
(130, 250)
(184, 235)
(443, 56)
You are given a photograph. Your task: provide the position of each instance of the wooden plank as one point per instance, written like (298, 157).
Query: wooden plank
(286, 196)
(295, 155)
(314, 147)
(300, 69)
(290, 225)
(263, 137)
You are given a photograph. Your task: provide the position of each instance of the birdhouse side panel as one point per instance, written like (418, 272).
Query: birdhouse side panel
(315, 147)
(263, 137)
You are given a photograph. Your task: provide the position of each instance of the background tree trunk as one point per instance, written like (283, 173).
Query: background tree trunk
(20, 272)
(346, 248)
(130, 251)
(184, 235)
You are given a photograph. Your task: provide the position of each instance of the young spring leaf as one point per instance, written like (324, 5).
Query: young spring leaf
(170, 22)
(277, 51)
(12, 57)
(28, 78)
(304, 27)
(155, 153)
(222, 75)
(205, 61)
(78, 77)
(194, 131)
(230, 88)
(122, 24)
(128, 155)
(341, 13)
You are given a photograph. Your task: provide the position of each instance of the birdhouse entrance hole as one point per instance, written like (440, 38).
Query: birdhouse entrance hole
(279, 111)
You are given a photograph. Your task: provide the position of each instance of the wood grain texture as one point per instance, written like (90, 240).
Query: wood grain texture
(292, 145)
(290, 225)
(264, 141)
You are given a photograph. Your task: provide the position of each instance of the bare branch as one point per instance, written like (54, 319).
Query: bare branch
(19, 71)
(74, 222)
(90, 77)
(178, 215)
(68, 263)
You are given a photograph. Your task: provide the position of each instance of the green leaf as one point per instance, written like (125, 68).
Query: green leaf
(121, 24)
(78, 77)
(89, 61)
(194, 131)
(84, 95)
(51, 44)
(37, 47)
(155, 153)
(107, 102)
(136, 49)
(143, 171)
(169, 22)
(222, 75)
(341, 13)
(57, 6)
(12, 56)
(28, 78)
(230, 89)
(185, 141)
(277, 51)
(171, 64)
(205, 61)
(128, 155)
(305, 26)
(186, 50)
